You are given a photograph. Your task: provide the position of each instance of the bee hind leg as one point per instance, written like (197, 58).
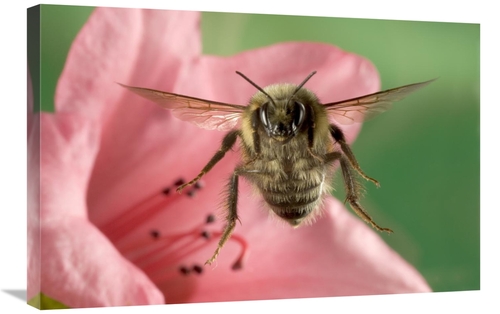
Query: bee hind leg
(352, 188)
(231, 217)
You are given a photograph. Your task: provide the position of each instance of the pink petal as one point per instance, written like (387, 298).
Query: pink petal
(116, 44)
(83, 269)
(338, 255)
(108, 47)
(69, 144)
(79, 266)
(340, 75)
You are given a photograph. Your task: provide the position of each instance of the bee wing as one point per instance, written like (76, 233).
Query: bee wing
(206, 114)
(365, 107)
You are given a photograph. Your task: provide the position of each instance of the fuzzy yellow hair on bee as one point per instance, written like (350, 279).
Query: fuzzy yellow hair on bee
(289, 142)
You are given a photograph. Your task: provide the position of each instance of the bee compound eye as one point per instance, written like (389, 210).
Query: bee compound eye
(263, 114)
(299, 115)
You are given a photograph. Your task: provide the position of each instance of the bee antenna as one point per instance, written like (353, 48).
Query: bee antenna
(303, 82)
(256, 86)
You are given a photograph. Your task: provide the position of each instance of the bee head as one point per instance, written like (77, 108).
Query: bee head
(281, 117)
(282, 121)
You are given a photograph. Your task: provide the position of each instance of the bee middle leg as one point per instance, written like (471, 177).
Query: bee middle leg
(352, 188)
(338, 136)
(232, 214)
(227, 143)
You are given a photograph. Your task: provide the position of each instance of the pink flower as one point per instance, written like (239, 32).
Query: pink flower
(111, 229)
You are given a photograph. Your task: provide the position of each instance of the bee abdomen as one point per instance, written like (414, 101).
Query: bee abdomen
(292, 199)
(293, 202)
(290, 202)
(292, 190)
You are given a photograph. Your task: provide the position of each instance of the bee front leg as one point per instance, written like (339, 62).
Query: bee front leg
(352, 188)
(338, 136)
(232, 215)
(227, 144)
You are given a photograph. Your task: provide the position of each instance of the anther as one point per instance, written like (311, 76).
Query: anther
(210, 218)
(191, 193)
(198, 269)
(179, 182)
(205, 234)
(155, 234)
(184, 270)
(198, 185)
(240, 261)
(166, 191)
(237, 265)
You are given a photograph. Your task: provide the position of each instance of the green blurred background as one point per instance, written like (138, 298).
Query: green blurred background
(424, 151)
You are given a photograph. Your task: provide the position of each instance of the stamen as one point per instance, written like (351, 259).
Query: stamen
(164, 258)
(198, 269)
(239, 263)
(138, 214)
(136, 218)
(158, 252)
(210, 219)
(155, 234)
(173, 249)
(184, 270)
(205, 234)
(179, 182)
(199, 185)
(168, 251)
(144, 244)
(129, 216)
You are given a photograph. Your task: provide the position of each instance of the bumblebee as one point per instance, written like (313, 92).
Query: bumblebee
(289, 143)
